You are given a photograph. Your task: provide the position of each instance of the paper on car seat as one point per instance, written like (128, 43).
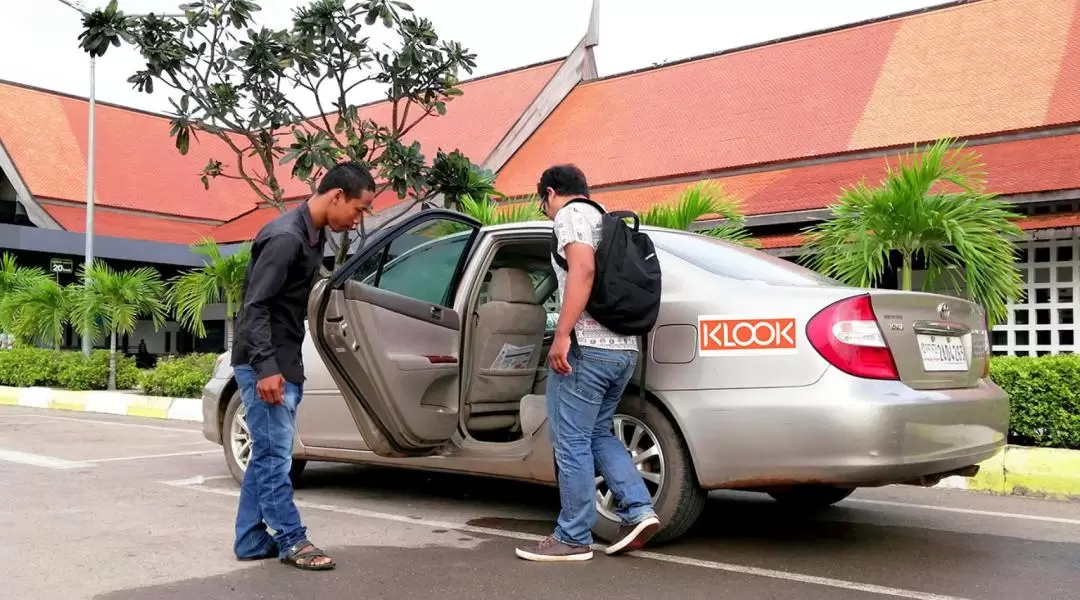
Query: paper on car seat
(513, 357)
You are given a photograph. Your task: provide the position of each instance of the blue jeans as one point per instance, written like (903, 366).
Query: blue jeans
(581, 407)
(266, 496)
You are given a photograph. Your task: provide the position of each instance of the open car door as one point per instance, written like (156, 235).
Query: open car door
(385, 326)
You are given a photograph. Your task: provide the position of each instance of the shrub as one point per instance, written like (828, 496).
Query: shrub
(26, 367)
(77, 372)
(1045, 398)
(182, 377)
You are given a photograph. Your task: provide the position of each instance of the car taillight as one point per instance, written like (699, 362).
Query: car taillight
(846, 334)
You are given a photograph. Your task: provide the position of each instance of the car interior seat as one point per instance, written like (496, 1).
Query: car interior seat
(507, 337)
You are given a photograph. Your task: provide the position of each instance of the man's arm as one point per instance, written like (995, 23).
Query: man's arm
(581, 260)
(574, 235)
(268, 276)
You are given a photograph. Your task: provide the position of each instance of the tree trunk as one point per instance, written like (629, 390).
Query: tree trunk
(905, 274)
(343, 249)
(112, 361)
(228, 325)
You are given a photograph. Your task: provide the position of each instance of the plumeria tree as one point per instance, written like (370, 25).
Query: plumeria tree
(246, 86)
(932, 205)
(112, 302)
(220, 279)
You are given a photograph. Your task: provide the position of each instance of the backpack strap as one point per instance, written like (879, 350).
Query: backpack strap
(559, 260)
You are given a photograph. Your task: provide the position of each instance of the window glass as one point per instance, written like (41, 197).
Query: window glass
(420, 263)
(734, 261)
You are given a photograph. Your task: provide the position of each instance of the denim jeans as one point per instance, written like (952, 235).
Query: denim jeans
(266, 496)
(581, 407)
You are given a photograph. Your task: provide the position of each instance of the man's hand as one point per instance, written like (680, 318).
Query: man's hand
(271, 389)
(559, 354)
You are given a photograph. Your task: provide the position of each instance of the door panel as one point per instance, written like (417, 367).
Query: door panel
(385, 328)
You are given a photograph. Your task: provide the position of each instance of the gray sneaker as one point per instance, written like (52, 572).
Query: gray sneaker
(633, 537)
(550, 549)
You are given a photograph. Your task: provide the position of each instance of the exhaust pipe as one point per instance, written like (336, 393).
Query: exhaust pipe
(932, 480)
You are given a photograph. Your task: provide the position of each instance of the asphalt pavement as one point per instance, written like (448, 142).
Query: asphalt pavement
(94, 506)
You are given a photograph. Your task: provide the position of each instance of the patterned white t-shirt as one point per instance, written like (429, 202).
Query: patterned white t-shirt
(583, 223)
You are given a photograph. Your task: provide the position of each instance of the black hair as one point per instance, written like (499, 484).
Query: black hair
(566, 180)
(351, 177)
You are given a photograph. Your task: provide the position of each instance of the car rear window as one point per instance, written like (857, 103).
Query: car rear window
(734, 261)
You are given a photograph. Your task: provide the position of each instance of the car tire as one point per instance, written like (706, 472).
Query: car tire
(811, 497)
(680, 500)
(236, 469)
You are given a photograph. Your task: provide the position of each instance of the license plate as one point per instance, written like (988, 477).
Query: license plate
(942, 353)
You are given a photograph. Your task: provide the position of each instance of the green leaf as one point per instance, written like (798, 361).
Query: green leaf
(930, 206)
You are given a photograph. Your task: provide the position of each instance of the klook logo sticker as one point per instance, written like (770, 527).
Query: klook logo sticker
(726, 336)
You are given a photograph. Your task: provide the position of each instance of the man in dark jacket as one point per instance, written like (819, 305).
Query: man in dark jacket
(285, 257)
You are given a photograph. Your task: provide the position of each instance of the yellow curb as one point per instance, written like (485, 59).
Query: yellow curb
(9, 396)
(59, 405)
(1043, 472)
(142, 406)
(68, 400)
(991, 475)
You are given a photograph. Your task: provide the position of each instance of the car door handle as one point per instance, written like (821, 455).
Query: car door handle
(436, 313)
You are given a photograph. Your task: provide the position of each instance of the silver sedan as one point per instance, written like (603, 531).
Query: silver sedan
(427, 350)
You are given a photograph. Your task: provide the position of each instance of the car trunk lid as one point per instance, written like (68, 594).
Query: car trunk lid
(938, 342)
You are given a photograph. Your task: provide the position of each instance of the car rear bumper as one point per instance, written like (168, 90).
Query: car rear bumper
(840, 430)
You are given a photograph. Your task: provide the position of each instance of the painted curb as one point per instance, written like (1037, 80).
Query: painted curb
(113, 403)
(1051, 473)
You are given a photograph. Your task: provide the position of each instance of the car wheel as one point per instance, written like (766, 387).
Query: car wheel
(663, 458)
(811, 497)
(237, 443)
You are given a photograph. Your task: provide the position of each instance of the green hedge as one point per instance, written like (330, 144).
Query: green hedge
(1045, 395)
(25, 367)
(182, 377)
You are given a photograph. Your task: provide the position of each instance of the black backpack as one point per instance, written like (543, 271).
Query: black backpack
(625, 296)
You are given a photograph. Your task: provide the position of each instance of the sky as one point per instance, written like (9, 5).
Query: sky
(38, 38)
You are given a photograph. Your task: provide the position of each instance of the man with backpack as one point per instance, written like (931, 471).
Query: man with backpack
(609, 284)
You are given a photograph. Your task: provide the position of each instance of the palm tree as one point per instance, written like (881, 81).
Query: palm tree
(39, 311)
(493, 213)
(692, 204)
(931, 205)
(12, 279)
(696, 202)
(222, 277)
(111, 303)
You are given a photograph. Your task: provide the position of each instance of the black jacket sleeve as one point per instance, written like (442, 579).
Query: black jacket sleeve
(268, 275)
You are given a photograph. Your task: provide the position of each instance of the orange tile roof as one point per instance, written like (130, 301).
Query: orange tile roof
(964, 70)
(138, 167)
(245, 226)
(1017, 167)
(1047, 221)
(129, 226)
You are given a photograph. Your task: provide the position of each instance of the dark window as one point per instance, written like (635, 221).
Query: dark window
(420, 264)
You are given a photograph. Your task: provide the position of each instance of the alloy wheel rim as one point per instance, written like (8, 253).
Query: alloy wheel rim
(647, 456)
(240, 437)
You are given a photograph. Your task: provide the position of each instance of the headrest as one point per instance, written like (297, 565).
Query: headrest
(511, 285)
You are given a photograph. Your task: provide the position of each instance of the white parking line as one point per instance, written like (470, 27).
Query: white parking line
(40, 460)
(146, 456)
(194, 484)
(966, 511)
(113, 423)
